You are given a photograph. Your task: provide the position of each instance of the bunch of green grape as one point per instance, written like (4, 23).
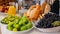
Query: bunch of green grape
(10, 18)
(56, 23)
(20, 25)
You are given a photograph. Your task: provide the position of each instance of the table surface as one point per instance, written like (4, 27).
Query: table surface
(34, 31)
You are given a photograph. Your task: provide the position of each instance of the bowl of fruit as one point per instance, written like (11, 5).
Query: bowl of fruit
(4, 9)
(50, 23)
(21, 26)
(6, 20)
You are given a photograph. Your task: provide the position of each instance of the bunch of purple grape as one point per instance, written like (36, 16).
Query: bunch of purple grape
(47, 21)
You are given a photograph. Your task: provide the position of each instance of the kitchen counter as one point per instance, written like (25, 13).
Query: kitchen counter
(33, 31)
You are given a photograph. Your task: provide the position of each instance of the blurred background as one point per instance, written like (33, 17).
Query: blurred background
(25, 4)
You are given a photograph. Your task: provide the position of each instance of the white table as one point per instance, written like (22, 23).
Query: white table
(33, 31)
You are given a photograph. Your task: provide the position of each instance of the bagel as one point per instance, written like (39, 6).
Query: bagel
(47, 9)
(34, 12)
(37, 11)
(43, 6)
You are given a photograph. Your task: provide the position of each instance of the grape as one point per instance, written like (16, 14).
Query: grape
(48, 15)
(47, 21)
(10, 23)
(48, 25)
(11, 19)
(10, 28)
(21, 22)
(39, 26)
(56, 23)
(16, 20)
(16, 25)
(23, 28)
(15, 29)
(24, 19)
(58, 18)
(17, 17)
(29, 25)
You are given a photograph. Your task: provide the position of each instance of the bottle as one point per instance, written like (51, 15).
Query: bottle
(16, 5)
(12, 10)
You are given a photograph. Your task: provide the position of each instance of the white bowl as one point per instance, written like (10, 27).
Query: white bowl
(54, 29)
(3, 28)
(19, 32)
